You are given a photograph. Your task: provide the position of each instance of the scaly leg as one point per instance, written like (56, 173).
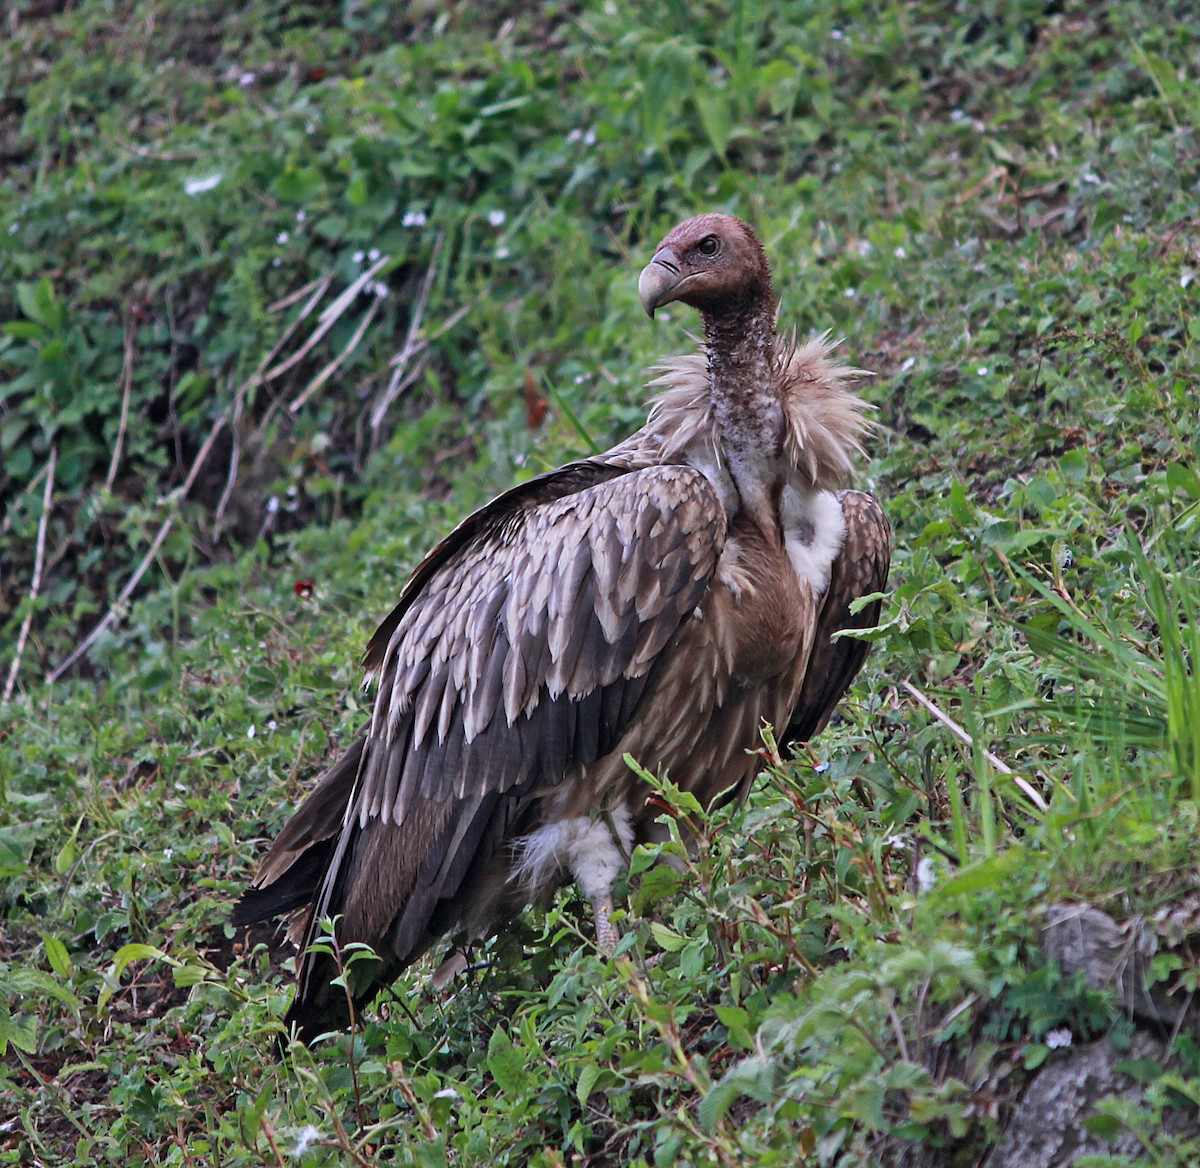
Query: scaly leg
(606, 932)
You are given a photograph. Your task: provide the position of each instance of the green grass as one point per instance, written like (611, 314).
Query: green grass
(996, 209)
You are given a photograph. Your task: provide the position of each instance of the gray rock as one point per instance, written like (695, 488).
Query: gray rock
(1115, 957)
(1046, 1130)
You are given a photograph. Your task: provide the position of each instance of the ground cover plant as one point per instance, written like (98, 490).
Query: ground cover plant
(285, 290)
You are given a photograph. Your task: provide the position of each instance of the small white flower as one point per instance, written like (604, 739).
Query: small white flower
(496, 218)
(837, 35)
(900, 253)
(982, 371)
(1058, 1038)
(580, 378)
(907, 364)
(272, 725)
(575, 135)
(272, 504)
(251, 732)
(305, 1138)
(168, 853)
(247, 79)
(589, 139)
(301, 216)
(414, 219)
(1184, 280)
(447, 1093)
(1090, 178)
(850, 293)
(282, 237)
(957, 115)
(277, 262)
(358, 256)
(379, 289)
(373, 254)
(502, 253)
(206, 182)
(927, 875)
(13, 228)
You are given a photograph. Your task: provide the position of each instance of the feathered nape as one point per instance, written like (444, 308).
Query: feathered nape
(825, 419)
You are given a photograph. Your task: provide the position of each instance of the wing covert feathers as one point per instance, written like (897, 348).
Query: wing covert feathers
(518, 654)
(572, 598)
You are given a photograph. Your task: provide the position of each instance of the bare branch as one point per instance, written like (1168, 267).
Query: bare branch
(329, 317)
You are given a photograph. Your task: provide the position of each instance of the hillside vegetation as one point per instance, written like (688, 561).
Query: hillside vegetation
(286, 289)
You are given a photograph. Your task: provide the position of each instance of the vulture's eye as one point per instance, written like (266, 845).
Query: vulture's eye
(709, 245)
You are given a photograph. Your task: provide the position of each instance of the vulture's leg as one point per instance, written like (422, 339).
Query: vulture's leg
(607, 935)
(599, 853)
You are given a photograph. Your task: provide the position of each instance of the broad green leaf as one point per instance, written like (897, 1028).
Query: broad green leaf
(57, 955)
(587, 1080)
(507, 1063)
(670, 940)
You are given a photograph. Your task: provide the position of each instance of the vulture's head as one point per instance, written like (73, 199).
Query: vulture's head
(712, 262)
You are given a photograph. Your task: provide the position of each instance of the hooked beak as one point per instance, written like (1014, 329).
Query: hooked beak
(659, 281)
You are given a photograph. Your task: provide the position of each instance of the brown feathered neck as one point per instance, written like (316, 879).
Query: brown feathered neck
(732, 292)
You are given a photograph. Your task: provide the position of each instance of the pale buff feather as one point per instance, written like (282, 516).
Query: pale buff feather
(825, 420)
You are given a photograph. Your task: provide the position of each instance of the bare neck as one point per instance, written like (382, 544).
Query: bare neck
(746, 403)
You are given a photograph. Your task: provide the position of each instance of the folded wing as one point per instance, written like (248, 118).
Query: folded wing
(518, 654)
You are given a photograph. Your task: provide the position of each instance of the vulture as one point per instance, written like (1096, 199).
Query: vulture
(662, 600)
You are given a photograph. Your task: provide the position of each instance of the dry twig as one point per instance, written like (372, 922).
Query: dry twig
(411, 345)
(329, 317)
(126, 390)
(999, 764)
(332, 367)
(35, 583)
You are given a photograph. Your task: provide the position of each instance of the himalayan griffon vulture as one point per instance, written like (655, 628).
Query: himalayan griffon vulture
(663, 599)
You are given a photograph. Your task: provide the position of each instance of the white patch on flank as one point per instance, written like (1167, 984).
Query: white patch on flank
(583, 846)
(814, 529)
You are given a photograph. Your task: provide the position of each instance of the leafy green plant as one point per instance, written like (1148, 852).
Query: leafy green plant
(273, 316)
